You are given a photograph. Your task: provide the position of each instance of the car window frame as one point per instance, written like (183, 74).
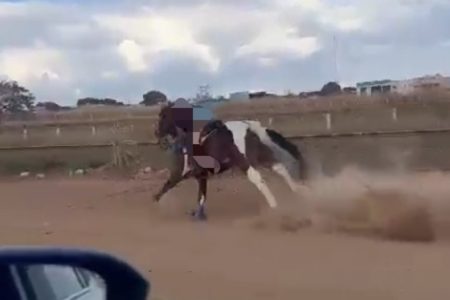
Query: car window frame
(24, 282)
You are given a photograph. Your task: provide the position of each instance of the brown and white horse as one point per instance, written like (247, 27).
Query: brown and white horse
(220, 146)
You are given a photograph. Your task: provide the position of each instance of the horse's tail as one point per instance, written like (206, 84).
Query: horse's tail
(285, 151)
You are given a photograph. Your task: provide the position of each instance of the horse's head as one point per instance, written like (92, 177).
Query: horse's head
(166, 123)
(172, 117)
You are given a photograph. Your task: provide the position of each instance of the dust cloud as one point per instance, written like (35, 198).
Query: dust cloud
(400, 205)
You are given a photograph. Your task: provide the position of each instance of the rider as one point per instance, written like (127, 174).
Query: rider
(183, 116)
(189, 120)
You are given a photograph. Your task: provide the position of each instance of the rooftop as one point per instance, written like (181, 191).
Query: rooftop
(375, 82)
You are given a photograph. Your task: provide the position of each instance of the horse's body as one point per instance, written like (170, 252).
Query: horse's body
(220, 146)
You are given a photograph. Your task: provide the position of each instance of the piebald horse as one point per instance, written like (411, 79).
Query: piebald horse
(220, 146)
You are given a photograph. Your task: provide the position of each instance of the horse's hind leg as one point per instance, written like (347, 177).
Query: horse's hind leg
(281, 170)
(255, 177)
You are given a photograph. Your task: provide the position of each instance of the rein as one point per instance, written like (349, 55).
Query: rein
(204, 138)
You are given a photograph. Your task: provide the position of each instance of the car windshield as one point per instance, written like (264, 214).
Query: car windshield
(281, 149)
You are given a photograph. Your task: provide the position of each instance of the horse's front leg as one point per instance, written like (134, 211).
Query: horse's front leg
(176, 174)
(170, 183)
(175, 177)
(200, 213)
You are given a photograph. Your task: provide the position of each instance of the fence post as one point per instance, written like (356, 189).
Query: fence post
(58, 131)
(25, 133)
(394, 114)
(328, 120)
(93, 130)
(270, 121)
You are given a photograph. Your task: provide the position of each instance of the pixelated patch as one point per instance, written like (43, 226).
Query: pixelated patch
(207, 162)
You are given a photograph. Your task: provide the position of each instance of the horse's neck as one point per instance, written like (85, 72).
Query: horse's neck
(179, 139)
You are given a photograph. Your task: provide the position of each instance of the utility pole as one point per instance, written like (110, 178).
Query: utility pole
(203, 92)
(335, 58)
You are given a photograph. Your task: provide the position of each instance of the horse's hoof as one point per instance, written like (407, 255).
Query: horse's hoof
(201, 218)
(198, 215)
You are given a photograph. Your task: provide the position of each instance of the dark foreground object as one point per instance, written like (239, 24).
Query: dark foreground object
(26, 273)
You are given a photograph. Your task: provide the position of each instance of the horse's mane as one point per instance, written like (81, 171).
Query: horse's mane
(214, 124)
(165, 106)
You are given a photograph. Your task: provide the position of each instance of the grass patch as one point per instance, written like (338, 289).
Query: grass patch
(56, 159)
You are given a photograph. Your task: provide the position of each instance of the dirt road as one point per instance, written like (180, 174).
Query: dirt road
(242, 252)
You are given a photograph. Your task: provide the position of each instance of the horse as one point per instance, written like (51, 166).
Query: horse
(220, 146)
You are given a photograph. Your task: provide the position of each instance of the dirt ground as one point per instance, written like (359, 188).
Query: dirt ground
(347, 237)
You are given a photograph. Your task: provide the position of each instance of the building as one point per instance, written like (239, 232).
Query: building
(404, 87)
(239, 96)
(349, 90)
(211, 103)
(308, 95)
(424, 83)
(369, 88)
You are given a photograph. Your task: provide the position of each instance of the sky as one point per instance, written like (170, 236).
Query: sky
(68, 49)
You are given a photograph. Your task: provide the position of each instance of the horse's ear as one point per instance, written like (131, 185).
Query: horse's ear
(163, 105)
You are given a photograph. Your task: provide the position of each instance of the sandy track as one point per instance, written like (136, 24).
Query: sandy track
(243, 252)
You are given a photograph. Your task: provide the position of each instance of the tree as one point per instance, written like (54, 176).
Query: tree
(97, 101)
(153, 98)
(221, 99)
(15, 98)
(50, 106)
(331, 88)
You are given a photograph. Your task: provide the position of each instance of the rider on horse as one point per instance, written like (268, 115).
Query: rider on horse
(183, 117)
(190, 121)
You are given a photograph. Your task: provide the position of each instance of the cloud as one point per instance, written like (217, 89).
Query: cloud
(153, 33)
(31, 64)
(62, 50)
(273, 43)
(133, 53)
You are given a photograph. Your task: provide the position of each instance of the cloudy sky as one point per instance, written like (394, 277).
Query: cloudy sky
(63, 50)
